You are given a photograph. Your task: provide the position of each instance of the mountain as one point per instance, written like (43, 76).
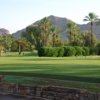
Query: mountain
(18, 33)
(60, 23)
(4, 31)
(96, 29)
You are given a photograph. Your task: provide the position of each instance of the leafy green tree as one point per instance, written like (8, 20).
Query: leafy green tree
(6, 41)
(23, 45)
(14, 46)
(72, 30)
(54, 35)
(1, 49)
(92, 17)
(58, 41)
(86, 39)
(34, 36)
(45, 27)
(20, 45)
(41, 34)
(77, 41)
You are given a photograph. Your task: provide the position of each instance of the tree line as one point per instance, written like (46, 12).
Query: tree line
(45, 34)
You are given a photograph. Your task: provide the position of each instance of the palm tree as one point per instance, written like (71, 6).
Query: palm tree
(53, 32)
(92, 17)
(69, 26)
(72, 29)
(45, 27)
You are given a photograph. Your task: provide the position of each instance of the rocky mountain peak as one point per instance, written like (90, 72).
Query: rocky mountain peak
(4, 31)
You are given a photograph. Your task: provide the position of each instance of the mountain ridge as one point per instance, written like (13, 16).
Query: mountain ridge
(4, 31)
(60, 23)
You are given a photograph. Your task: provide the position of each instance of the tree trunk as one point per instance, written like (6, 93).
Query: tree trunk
(70, 36)
(91, 31)
(53, 40)
(19, 49)
(0, 52)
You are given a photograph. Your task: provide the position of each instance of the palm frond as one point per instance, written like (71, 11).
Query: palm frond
(85, 20)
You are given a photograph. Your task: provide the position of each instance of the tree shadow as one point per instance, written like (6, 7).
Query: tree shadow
(54, 76)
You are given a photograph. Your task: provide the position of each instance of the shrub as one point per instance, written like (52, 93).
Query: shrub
(85, 51)
(79, 50)
(93, 51)
(69, 51)
(65, 51)
(48, 52)
(98, 50)
(54, 52)
(60, 52)
(41, 52)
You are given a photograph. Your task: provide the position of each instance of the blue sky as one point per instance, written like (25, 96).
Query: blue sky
(17, 14)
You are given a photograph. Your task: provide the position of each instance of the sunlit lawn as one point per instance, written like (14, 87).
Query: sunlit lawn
(77, 72)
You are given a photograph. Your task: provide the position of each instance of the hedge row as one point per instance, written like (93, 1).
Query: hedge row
(67, 51)
(51, 52)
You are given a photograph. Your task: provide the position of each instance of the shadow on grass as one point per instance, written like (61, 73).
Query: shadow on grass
(54, 76)
(61, 67)
(59, 58)
(49, 71)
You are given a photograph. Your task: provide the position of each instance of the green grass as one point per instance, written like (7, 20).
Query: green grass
(76, 72)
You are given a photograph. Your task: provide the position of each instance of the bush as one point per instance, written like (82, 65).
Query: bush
(79, 51)
(60, 52)
(85, 51)
(54, 52)
(98, 50)
(93, 51)
(41, 52)
(48, 52)
(69, 51)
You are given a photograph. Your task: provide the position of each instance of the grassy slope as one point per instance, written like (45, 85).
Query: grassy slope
(77, 72)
